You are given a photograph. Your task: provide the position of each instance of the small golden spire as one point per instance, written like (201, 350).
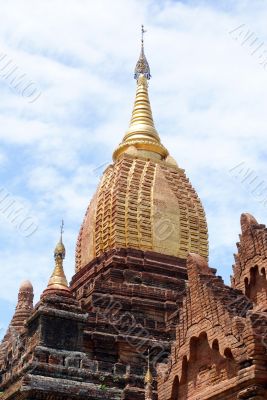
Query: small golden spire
(148, 376)
(58, 279)
(142, 133)
(148, 380)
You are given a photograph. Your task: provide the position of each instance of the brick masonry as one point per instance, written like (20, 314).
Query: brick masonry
(220, 350)
(92, 344)
(207, 340)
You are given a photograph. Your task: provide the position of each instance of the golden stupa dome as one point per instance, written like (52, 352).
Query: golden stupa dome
(144, 200)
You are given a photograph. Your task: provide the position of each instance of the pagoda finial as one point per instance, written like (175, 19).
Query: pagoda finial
(61, 230)
(142, 34)
(148, 380)
(142, 134)
(148, 376)
(58, 279)
(142, 66)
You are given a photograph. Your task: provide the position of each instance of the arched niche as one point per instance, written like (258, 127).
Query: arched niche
(204, 366)
(256, 285)
(175, 389)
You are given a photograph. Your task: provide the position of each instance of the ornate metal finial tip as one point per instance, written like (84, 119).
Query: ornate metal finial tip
(148, 376)
(142, 33)
(60, 248)
(61, 229)
(142, 66)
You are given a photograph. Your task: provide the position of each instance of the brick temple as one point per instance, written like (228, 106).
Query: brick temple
(144, 316)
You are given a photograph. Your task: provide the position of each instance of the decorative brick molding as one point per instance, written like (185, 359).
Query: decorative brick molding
(219, 346)
(251, 262)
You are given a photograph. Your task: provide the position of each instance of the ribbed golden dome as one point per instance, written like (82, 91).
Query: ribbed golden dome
(144, 200)
(144, 204)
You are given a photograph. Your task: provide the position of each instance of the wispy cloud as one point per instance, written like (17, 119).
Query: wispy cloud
(17, 80)
(16, 214)
(256, 47)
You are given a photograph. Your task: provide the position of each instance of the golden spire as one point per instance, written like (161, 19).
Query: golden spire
(148, 376)
(58, 279)
(148, 380)
(142, 134)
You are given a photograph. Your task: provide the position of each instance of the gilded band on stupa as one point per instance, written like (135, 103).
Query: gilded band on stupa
(144, 200)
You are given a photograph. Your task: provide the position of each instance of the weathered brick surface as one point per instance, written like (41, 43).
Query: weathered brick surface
(92, 344)
(16, 327)
(131, 298)
(207, 340)
(251, 261)
(220, 350)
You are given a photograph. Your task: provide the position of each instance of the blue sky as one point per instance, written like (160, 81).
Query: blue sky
(208, 95)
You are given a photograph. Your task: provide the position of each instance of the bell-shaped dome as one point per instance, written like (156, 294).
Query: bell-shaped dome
(26, 286)
(144, 204)
(144, 200)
